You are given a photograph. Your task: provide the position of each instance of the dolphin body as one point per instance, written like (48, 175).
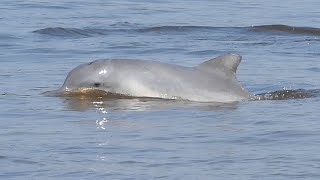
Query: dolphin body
(211, 81)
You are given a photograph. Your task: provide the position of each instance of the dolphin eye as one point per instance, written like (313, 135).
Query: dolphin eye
(97, 84)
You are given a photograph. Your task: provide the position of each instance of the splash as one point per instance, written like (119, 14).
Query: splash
(288, 94)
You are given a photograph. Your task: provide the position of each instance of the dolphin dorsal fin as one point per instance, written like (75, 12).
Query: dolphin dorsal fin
(227, 63)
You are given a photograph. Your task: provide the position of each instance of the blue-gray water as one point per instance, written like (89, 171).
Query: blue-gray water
(45, 137)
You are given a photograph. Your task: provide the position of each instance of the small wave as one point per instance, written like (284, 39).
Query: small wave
(7, 37)
(71, 32)
(289, 29)
(91, 32)
(288, 94)
(176, 28)
(314, 69)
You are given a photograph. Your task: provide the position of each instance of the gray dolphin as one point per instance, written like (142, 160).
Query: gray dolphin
(211, 81)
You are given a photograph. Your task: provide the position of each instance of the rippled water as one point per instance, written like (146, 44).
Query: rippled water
(45, 137)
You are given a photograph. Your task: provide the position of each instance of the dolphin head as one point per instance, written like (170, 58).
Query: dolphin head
(89, 76)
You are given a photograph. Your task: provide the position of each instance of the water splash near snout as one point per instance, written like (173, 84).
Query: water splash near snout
(288, 94)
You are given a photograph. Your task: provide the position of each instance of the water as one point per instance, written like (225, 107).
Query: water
(44, 137)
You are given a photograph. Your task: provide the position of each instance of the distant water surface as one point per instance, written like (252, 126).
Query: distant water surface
(49, 137)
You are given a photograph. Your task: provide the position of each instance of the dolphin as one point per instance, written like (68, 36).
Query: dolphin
(211, 81)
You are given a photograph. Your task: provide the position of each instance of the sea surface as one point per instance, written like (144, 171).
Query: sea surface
(50, 137)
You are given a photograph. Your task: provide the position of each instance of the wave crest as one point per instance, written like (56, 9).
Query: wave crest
(289, 29)
(70, 32)
(91, 32)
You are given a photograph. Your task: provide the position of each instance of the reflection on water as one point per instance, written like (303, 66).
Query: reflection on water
(102, 123)
(104, 105)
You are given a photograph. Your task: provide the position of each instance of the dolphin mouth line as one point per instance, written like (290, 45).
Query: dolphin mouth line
(89, 92)
(96, 93)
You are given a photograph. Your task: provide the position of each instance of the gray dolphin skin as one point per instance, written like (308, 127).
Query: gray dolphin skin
(211, 81)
